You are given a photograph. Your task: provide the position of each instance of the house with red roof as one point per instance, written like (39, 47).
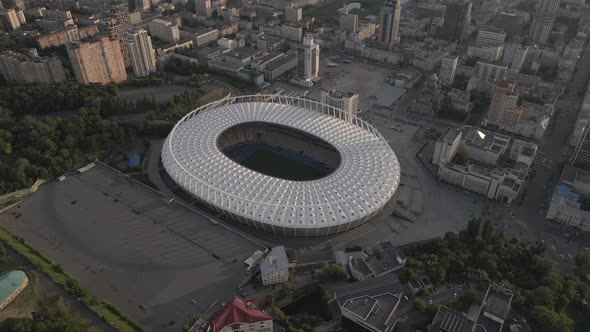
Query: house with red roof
(239, 315)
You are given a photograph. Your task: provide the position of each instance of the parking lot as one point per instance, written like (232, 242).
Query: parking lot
(160, 263)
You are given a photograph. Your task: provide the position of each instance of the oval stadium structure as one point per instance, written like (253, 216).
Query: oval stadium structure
(286, 165)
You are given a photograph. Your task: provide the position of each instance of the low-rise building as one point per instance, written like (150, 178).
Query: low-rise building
(570, 203)
(239, 315)
(164, 30)
(279, 66)
(203, 37)
(274, 268)
(346, 101)
(534, 120)
(460, 100)
(479, 172)
(377, 261)
(306, 259)
(371, 303)
(503, 184)
(404, 78)
(495, 308)
(485, 146)
(447, 320)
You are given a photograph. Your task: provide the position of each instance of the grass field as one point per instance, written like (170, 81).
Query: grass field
(274, 164)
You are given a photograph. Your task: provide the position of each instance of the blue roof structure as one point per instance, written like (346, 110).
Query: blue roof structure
(134, 160)
(564, 191)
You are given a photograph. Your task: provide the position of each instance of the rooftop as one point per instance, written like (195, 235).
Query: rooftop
(280, 61)
(275, 261)
(488, 141)
(374, 310)
(450, 321)
(237, 311)
(370, 287)
(495, 308)
(450, 134)
(311, 256)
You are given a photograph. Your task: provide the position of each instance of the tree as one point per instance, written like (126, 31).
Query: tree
(488, 230)
(583, 261)
(420, 304)
(547, 320)
(542, 296)
(462, 156)
(332, 272)
(468, 298)
(287, 289)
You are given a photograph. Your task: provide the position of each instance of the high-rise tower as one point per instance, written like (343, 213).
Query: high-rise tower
(141, 52)
(543, 21)
(457, 18)
(308, 59)
(117, 25)
(389, 22)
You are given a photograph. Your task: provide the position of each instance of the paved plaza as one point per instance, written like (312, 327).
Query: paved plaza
(125, 242)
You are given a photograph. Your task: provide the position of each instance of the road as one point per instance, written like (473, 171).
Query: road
(528, 215)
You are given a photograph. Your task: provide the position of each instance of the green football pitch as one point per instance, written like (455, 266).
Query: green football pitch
(275, 164)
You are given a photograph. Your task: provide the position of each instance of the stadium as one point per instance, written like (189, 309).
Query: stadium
(286, 165)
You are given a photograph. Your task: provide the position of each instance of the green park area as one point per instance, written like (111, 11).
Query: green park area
(275, 164)
(551, 300)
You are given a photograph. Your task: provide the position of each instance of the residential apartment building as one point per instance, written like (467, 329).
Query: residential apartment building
(164, 30)
(503, 111)
(203, 8)
(10, 19)
(66, 36)
(97, 61)
(143, 55)
(117, 25)
(30, 68)
(448, 68)
(274, 268)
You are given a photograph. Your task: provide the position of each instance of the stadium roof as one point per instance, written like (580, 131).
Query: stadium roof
(363, 183)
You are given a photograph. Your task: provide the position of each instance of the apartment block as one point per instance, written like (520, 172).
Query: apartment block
(143, 55)
(97, 61)
(30, 68)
